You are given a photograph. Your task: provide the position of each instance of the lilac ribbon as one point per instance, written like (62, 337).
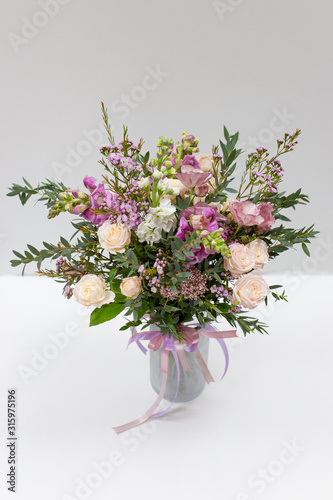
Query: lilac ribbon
(189, 344)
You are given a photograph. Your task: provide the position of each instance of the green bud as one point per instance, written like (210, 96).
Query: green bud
(81, 195)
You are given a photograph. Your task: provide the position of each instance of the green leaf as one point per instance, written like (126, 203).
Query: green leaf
(305, 249)
(171, 308)
(142, 309)
(64, 242)
(112, 274)
(33, 249)
(105, 313)
(184, 275)
(115, 286)
(282, 217)
(15, 263)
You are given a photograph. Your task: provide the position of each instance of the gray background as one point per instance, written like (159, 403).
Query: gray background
(238, 63)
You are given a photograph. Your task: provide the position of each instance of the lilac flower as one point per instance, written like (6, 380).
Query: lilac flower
(97, 196)
(184, 229)
(90, 183)
(79, 209)
(202, 209)
(190, 173)
(207, 218)
(191, 161)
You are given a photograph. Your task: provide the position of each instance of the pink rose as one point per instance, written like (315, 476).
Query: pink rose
(241, 260)
(246, 213)
(266, 210)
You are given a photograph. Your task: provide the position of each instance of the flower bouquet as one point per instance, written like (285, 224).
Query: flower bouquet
(168, 242)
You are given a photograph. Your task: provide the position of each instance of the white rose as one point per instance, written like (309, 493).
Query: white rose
(259, 250)
(114, 237)
(205, 162)
(91, 291)
(250, 290)
(131, 287)
(241, 260)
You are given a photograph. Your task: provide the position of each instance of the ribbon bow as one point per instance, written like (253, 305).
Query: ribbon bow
(169, 344)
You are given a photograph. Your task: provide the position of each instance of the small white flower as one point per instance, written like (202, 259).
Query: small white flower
(157, 174)
(154, 289)
(162, 185)
(147, 231)
(141, 268)
(163, 216)
(174, 191)
(160, 269)
(144, 182)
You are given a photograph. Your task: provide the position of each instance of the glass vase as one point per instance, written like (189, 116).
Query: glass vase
(191, 382)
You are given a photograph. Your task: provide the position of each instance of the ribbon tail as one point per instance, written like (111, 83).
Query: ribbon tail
(141, 347)
(148, 414)
(157, 415)
(182, 358)
(203, 367)
(226, 355)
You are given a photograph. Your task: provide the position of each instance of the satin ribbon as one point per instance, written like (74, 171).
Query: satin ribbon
(169, 344)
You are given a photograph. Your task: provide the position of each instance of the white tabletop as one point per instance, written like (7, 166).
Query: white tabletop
(264, 432)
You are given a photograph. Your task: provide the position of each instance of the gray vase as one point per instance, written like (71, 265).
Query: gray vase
(191, 382)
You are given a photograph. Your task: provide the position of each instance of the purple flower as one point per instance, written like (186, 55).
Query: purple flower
(184, 229)
(202, 209)
(78, 209)
(191, 161)
(90, 183)
(97, 196)
(199, 214)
